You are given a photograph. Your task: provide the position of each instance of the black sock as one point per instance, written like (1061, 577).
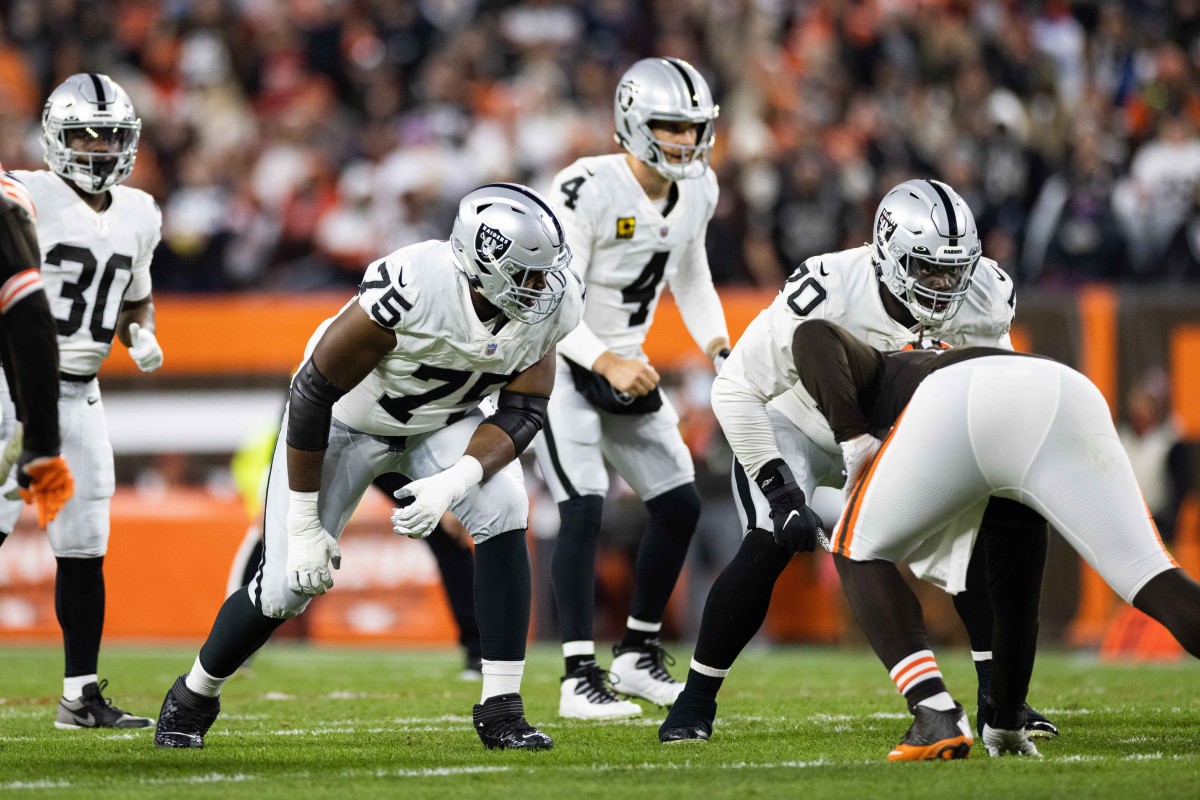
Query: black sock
(983, 671)
(1173, 599)
(663, 549)
(575, 662)
(738, 601)
(238, 632)
(704, 686)
(79, 604)
(573, 568)
(503, 591)
(638, 640)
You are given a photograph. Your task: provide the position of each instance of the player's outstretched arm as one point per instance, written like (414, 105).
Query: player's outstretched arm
(520, 412)
(346, 353)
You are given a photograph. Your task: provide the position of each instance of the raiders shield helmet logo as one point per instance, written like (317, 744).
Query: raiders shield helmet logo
(491, 243)
(887, 226)
(627, 92)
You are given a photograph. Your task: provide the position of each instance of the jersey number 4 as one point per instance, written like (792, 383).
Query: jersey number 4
(114, 278)
(645, 287)
(808, 292)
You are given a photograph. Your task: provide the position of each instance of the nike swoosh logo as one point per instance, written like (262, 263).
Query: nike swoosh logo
(93, 400)
(400, 277)
(87, 721)
(794, 513)
(821, 269)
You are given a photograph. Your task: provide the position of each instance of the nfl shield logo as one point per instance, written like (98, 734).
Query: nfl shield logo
(663, 231)
(490, 350)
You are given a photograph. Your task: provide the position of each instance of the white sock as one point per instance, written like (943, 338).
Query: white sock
(501, 677)
(202, 683)
(635, 624)
(942, 701)
(73, 686)
(579, 648)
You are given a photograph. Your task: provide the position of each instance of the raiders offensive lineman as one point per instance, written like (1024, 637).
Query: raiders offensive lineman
(393, 384)
(636, 222)
(97, 239)
(921, 276)
(1006, 424)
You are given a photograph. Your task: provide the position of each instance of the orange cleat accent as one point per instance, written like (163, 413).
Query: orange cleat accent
(935, 736)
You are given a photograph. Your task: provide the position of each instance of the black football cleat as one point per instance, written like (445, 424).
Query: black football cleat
(1037, 726)
(935, 736)
(185, 717)
(94, 710)
(500, 723)
(689, 720)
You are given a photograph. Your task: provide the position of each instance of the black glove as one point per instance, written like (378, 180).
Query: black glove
(797, 527)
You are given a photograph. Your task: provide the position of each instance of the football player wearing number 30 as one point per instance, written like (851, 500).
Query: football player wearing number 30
(97, 239)
(921, 276)
(636, 222)
(392, 385)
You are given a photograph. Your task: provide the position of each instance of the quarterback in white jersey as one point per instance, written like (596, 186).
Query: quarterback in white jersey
(97, 239)
(921, 276)
(392, 385)
(636, 222)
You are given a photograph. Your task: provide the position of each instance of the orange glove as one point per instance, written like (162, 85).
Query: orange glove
(47, 482)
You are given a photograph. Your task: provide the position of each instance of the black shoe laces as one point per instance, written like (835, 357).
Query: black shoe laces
(595, 684)
(103, 701)
(653, 659)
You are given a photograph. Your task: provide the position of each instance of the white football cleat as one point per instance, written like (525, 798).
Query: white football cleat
(640, 672)
(1001, 743)
(586, 694)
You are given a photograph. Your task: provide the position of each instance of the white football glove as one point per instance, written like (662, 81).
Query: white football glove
(858, 453)
(432, 496)
(310, 547)
(12, 450)
(1001, 743)
(144, 349)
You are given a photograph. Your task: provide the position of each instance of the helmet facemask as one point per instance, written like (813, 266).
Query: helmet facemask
(937, 287)
(530, 293)
(674, 161)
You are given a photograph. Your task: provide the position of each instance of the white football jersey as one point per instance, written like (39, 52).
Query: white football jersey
(91, 262)
(445, 360)
(843, 288)
(626, 250)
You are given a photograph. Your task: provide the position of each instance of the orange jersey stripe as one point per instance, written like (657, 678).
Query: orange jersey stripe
(18, 287)
(845, 531)
(19, 193)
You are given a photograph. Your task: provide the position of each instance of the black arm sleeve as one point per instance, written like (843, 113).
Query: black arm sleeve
(310, 408)
(28, 334)
(520, 416)
(840, 372)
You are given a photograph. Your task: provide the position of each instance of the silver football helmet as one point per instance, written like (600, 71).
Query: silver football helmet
(512, 248)
(665, 89)
(926, 247)
(90, 132)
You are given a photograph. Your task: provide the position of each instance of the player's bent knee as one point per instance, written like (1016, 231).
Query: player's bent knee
(678, 509)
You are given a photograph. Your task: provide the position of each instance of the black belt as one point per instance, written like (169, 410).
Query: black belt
(66, 376)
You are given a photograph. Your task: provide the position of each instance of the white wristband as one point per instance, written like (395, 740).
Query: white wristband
(302, 503)
(468, 470)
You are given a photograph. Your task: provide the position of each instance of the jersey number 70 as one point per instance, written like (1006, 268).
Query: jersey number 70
(808, 292)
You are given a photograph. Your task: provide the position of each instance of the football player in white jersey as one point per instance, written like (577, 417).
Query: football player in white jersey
(393, 384)
(97, 239)
(636, 222)
(921, 276)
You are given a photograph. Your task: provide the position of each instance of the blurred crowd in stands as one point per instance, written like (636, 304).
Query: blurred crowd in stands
(291, 141)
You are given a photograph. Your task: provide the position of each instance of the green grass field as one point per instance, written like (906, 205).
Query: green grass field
(815, 723)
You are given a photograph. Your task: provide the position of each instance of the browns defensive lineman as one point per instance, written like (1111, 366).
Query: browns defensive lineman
(921, 276)
(1009, 425)
(393, 384)
(636, 222)
(97, 239)
(29, 435)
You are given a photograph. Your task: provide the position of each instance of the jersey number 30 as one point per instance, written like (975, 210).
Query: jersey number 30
(114, 278)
